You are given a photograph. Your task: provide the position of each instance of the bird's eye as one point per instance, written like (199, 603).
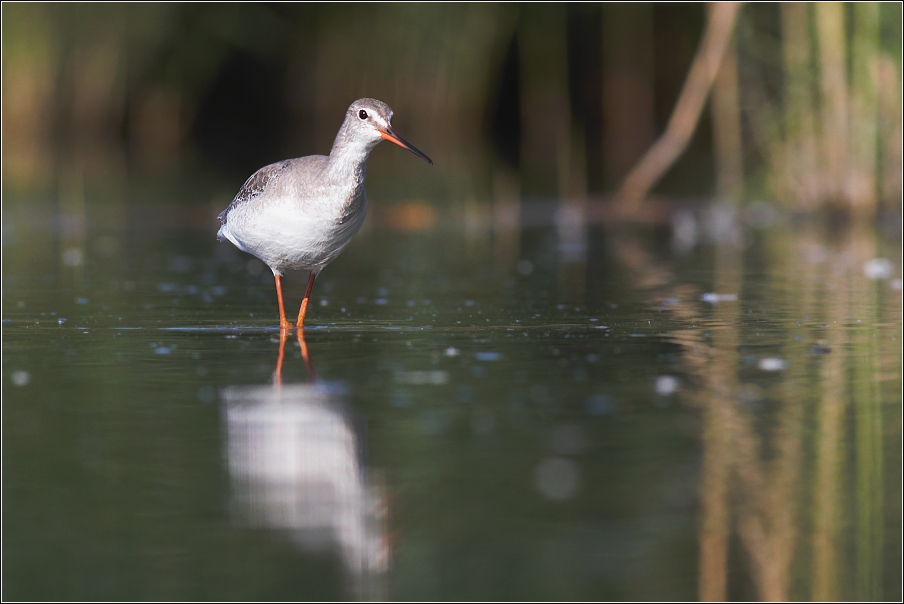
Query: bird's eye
(362, 114)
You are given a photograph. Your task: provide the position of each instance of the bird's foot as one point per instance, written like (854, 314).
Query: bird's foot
(284, 325)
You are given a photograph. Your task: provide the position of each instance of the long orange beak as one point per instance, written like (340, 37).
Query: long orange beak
(391, 135)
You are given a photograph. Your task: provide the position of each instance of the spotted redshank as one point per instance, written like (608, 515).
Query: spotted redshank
(299, 214)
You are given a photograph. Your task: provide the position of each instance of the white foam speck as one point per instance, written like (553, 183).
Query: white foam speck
(771, 364)
(21, 377)
(666, 385)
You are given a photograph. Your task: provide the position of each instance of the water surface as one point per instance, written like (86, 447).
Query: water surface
(482, 407)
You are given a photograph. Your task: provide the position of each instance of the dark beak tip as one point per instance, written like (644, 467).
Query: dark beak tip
(394, 137)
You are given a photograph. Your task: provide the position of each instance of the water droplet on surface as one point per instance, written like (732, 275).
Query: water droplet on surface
(714, 298)
(878, 268)
(684, 231)
(666, 385)
(557, 478)
(21, 377)
(771, 364)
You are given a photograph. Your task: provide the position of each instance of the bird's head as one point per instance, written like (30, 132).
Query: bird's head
(371, 120)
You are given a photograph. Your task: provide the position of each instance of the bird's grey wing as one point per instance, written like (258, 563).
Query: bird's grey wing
(256, 186)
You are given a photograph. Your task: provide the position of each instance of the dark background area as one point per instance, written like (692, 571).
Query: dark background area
(561, 99)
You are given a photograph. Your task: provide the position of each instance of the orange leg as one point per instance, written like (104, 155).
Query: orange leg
(304, 353)
(277, 375)
(283, 322)
(304, 302)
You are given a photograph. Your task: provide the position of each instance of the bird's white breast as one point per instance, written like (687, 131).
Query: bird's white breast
(292, 233)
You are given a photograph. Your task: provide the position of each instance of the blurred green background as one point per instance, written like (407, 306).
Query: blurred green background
(537, 100)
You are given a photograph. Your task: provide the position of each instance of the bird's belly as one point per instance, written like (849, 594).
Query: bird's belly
(286, 238)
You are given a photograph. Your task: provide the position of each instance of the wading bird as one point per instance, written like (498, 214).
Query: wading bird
(299, 214)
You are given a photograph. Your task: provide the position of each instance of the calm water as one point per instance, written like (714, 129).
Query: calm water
(481, 407)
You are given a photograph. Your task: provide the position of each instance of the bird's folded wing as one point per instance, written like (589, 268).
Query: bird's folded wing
(256, 186)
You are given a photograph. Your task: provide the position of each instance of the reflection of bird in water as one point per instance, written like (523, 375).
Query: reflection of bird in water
(277, 375)
(296, 464)
(299, 214)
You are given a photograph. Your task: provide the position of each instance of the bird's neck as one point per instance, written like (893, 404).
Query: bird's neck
(349, 156)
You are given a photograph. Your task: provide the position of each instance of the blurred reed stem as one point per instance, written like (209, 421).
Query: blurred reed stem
(838, 129)
(672, 143)
(794, 163)
(726, 117)
(832, 45)
(864, 107)
(829, 449)
(868, 432)
(545, 102)
(719, 454)
(628, 99)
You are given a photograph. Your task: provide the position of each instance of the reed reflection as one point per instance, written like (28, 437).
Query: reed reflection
(792, 522)
(296, 458)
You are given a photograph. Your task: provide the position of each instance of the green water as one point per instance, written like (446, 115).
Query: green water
(492, 411)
